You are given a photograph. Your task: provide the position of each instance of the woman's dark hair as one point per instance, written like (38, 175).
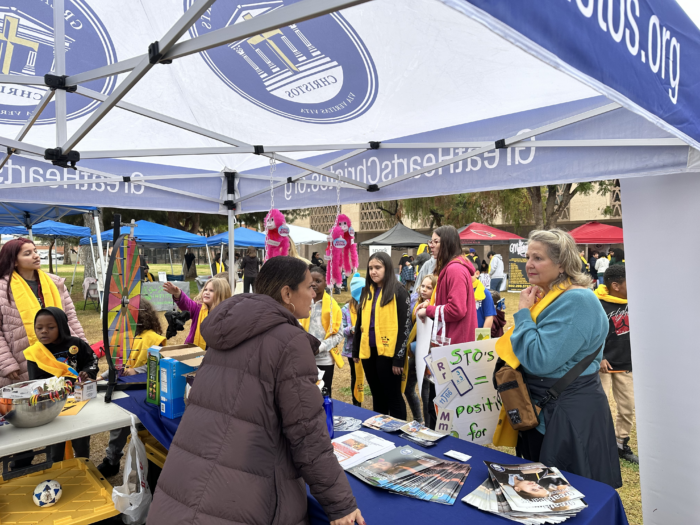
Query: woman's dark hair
(251, 251)
(279, 272)
(8, 258)
(389, 285)
(450, 246)
(314, 254)
(484, 266)
(491, 254)
(217, 257)
(619, 254)
(317, 269)
(148, 319)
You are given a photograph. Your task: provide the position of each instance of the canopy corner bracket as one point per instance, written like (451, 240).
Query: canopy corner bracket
(54, 82)
(258, 149)
(373, 187)
(501, 144)
(57, 158)
(230, 203)
(155, 56)
(373, 144)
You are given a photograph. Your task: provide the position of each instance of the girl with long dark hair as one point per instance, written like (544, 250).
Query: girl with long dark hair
(454, 293)
(381, 332)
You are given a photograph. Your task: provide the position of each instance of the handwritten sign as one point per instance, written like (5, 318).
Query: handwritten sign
(468, 404)
(517, 275)
(161, 300)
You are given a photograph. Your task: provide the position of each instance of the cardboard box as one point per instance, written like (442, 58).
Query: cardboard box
(153, 370)
(85, 391)
(174, 364)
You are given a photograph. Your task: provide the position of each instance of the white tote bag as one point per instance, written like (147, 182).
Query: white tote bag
(133, 498)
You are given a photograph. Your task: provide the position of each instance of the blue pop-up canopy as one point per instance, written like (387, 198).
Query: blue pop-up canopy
(22, 216)
(152, 235)
(50, 229)
(244, 238)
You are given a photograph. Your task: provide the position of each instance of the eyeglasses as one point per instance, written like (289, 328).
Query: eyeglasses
(433, 242)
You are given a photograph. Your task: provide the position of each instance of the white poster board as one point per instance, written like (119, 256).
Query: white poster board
(375, 249)
(467, 403)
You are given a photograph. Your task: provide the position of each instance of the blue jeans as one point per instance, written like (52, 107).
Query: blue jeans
(496, 284)
(600, 279)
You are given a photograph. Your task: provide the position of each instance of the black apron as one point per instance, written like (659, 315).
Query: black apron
(579, 432)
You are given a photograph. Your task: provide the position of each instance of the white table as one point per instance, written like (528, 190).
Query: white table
(95, 417)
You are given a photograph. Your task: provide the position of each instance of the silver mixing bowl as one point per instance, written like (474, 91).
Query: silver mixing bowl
(21, 414)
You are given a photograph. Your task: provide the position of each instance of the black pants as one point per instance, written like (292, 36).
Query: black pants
(384, 384)
(248, 283)
(427, 396)
(529, 444)
(327, 378)
(81, 449)
(353, 380)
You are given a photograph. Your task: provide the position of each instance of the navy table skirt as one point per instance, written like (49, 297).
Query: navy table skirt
(379, 506)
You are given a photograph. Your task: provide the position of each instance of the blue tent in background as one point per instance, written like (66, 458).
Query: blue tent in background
(152, 235)
(24, 216)
(49, 229)
(244, 238)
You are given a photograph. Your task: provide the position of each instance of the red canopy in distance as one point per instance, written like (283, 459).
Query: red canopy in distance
(477, 233)
(597, 233)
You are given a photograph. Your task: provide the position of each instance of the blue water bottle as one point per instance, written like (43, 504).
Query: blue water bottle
(328, 407)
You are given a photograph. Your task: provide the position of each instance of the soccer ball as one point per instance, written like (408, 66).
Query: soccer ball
(47, 493)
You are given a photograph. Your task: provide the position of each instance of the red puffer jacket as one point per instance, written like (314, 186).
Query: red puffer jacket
(254, 430)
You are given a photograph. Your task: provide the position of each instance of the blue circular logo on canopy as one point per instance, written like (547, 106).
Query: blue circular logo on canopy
(27, 48)
(317, 71)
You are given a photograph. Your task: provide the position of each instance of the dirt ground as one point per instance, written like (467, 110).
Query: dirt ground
(630, 493)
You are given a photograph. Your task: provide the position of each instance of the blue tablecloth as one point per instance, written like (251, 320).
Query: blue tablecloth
(379, 506)
(161, 428)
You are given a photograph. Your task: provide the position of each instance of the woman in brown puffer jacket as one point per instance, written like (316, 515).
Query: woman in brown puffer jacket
(254, 432)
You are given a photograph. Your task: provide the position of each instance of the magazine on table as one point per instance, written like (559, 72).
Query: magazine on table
(357, 447)
(530, 493)
(410, 472)
(417, 441)
(384, 423)
(414, 428)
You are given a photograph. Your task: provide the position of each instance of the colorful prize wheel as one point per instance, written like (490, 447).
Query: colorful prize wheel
(121, 306)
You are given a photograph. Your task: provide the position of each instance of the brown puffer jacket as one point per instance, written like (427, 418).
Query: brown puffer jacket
(13, 336)
(254, 430)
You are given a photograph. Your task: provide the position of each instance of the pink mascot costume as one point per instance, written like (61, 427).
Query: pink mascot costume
(344, 250)
(276, 235)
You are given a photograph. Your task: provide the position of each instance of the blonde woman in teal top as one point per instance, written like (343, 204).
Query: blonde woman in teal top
(576, 431)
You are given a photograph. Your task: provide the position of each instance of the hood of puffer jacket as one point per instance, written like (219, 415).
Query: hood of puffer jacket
(245, 316)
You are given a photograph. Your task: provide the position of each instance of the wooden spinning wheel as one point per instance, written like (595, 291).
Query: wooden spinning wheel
(121, 306)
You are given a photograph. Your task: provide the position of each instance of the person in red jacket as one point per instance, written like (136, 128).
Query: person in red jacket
(454, 288)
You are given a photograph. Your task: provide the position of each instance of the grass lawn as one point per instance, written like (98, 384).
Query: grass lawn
(90, 319)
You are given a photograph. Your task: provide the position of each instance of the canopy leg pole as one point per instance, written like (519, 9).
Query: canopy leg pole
(170, 253)
(31, 235)
(208, 257)
(103, 275)
(231, 249)
(75, 266)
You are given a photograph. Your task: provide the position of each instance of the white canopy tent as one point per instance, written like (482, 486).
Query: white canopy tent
(382, 101)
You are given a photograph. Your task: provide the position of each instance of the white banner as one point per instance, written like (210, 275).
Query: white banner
(375, 249)
(467, 403)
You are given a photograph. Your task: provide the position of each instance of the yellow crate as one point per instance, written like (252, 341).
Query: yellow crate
(156, 452)
(87, 496)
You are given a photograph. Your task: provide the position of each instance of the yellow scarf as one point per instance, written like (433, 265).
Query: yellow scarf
(585, 262)
(602, 293)
(386, 327)
(45, 360)
(220, 268)
(27, 303)
(326, 304)
(359, 391)
(149, 277)
(479, 290)
(198, 339)
(142, 342)
(505, 435)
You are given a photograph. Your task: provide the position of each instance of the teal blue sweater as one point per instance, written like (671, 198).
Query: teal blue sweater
(568, 330)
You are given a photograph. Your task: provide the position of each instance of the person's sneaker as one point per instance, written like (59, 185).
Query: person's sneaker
(107, 469)
(626, 452)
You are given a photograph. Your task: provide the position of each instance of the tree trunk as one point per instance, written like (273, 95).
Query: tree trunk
(535, 194)
(191, 273)
(67, 252)
(53, 241)
(554, 209)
